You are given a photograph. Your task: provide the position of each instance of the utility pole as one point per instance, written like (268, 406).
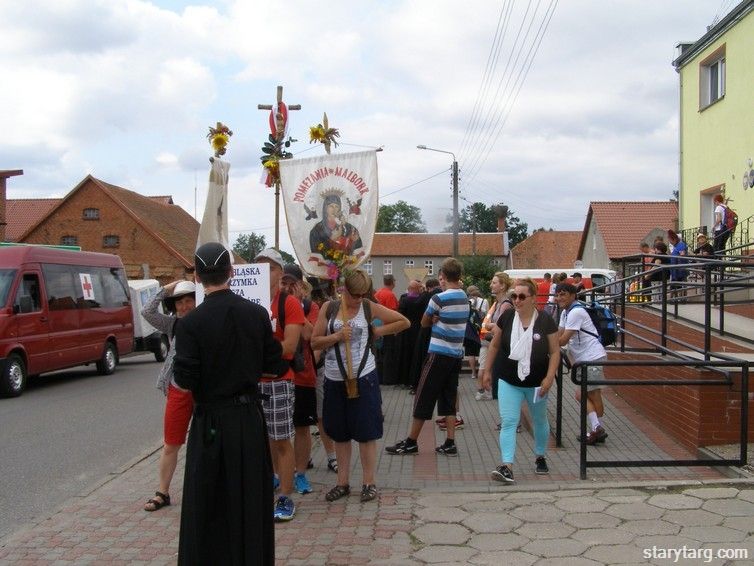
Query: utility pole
(455, 207)
(278, 121)
(455, 195)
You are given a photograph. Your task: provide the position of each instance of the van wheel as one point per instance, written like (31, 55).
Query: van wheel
(106, 364)
(13, 380)
(163, 349)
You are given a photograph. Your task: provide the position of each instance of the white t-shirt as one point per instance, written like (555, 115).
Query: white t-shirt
(719, 209)
(582, 347)
(481, 305)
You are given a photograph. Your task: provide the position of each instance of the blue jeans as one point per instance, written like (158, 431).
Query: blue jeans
(509, 400)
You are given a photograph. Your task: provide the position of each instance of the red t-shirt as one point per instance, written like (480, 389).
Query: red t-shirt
(294, 314)
(386, 298)
(543, 291)
(308, 377)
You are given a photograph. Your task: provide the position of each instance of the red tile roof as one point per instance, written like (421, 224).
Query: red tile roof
(404, 244)
(176, 227)
(623, 224)
(23, 213)
(546, 249)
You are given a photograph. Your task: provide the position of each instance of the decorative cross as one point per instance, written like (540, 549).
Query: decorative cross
(278, 121)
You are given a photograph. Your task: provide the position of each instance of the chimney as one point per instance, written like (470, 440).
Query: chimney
(501, 211)
(4, 174)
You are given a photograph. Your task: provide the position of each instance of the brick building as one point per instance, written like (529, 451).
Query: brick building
(153, 237)
(547, 249)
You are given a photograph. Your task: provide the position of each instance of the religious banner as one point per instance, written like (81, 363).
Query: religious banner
(214, 226)
(250, 281)
(331, 204)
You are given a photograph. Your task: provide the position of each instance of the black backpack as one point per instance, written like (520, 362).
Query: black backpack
(475, 319)
(603, 319)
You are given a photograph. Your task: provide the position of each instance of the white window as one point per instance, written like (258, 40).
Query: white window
(429, 266)
(69, 241)
(387, 267)
(368, 266)
(712, 78)
(409, 263)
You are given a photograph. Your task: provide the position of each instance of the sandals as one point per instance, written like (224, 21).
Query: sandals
(154, 504)
(337, 492)
(332, 465)
(368, 492)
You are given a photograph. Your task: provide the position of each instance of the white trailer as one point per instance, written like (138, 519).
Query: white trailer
(146, 337)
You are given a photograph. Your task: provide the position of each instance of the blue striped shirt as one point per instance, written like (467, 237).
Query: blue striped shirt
(448, 332)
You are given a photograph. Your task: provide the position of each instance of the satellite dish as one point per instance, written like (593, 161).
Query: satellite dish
(746, 180)
(578, 264)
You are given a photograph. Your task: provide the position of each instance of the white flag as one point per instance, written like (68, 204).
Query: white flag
(214, 227)
(331, 204)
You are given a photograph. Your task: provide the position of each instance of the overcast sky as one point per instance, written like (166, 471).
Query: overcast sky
(125, 90)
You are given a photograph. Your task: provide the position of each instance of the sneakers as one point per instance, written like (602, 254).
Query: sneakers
(483, 395)
(597, 435)
(285, 509)
(502, 474)
(439, 420)
(403, 447)
(448, 448)
(332, 464)
(459, 423)
(301, 483)
(541, 465)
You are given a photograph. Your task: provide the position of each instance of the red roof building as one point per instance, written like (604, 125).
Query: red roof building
(615, 229)
(546, 249)
(153, 237)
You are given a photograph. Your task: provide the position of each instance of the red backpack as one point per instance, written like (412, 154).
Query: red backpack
(731, 219)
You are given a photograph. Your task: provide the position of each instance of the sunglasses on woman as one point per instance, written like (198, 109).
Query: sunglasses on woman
(520, 297)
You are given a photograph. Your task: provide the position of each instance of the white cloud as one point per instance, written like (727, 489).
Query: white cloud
(126, 88)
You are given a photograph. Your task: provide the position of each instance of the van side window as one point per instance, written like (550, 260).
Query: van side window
(115, 287)
(28, 298)
(61, 290)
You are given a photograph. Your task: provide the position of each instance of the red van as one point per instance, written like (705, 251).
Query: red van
(58, 309)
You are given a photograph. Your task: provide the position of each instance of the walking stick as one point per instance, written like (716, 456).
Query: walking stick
(352, 389)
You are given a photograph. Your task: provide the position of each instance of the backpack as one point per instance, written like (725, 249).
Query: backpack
(603, 319)
(731, 219)
(475, 319)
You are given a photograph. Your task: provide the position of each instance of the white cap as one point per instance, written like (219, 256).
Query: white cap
(272, 254)
(183, 288)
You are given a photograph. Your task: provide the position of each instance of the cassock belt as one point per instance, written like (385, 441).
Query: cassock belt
(245, 399)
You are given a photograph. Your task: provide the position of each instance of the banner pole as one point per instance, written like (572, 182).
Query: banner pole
(352, 389)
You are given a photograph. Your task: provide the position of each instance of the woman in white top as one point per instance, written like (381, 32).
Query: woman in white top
(719, 231)
(500, 285)
(358, 419)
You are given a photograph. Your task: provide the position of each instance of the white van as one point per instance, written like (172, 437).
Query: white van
(146, 337)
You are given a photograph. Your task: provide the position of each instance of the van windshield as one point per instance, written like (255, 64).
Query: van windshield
(6, 280)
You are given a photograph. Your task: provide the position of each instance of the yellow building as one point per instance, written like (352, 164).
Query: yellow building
(717, 122)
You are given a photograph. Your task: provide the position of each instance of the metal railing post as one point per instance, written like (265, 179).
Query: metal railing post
(744, 414)
(582, 434)
(707, 311)
(559, 408)
(663, 337)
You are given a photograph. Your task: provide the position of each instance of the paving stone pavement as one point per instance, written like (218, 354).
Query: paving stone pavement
(438, 510)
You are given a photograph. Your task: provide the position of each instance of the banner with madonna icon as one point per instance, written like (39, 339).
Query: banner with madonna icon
(331, 204)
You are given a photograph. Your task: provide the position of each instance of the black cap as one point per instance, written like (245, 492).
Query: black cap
(212, 257)
(294, 271)
(567, 287)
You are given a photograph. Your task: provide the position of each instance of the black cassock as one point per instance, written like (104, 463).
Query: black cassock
(222, 348)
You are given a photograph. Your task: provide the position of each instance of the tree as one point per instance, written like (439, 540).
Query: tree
(482, 218)
(478, 270)
(249, 245)
(287, 258)
(400, 217)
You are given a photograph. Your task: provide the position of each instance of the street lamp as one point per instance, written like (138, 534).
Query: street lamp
(455, 195)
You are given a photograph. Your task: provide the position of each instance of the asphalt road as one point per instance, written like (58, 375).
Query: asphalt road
(71, 429)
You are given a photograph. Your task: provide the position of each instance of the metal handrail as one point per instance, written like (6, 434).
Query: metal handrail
(581, 380)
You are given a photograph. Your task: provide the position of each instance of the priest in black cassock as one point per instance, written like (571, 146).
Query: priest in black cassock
(222, 349)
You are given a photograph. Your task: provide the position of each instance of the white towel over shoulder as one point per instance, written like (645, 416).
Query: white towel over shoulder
(521, 343)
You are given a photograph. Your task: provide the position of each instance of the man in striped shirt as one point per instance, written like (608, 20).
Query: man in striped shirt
(447, 314)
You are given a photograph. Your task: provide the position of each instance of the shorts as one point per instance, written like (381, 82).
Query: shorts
(471, 347)
(305, 406)
(320, 390)
(593, 373)
(438, 383)
(278, 408)
(357, 419)
(178, 411)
